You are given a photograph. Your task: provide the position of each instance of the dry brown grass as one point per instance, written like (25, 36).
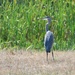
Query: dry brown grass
(34, 63)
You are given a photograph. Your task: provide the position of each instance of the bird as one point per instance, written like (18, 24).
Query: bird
(49, 38)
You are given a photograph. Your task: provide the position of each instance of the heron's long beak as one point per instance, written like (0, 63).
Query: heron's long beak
(44, 19)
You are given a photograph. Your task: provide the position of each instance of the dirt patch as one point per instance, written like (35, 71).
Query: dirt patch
(34, 63)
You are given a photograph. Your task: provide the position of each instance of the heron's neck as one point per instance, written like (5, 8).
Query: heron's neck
(47, 25)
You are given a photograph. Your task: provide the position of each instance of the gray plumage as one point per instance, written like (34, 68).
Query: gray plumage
(48, 40)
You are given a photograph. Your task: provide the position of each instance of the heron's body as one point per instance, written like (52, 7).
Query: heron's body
(48, 40)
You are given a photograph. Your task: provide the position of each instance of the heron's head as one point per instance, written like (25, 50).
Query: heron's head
(47, 18)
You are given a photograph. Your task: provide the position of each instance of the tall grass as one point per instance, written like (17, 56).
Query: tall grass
(21, 26)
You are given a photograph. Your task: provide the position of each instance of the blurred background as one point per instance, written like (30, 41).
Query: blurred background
(21, 25)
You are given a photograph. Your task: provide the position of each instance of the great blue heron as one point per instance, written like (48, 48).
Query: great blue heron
(48, 40)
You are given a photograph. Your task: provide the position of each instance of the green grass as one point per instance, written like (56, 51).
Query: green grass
(20, 26)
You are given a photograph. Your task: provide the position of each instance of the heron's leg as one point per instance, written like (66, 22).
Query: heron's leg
(53, 55)
(47, 56)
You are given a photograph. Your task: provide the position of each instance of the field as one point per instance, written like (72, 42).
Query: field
(34, 63)
(22, 27)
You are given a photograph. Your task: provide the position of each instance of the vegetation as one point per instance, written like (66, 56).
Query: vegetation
(21, 24)
(34, 63)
